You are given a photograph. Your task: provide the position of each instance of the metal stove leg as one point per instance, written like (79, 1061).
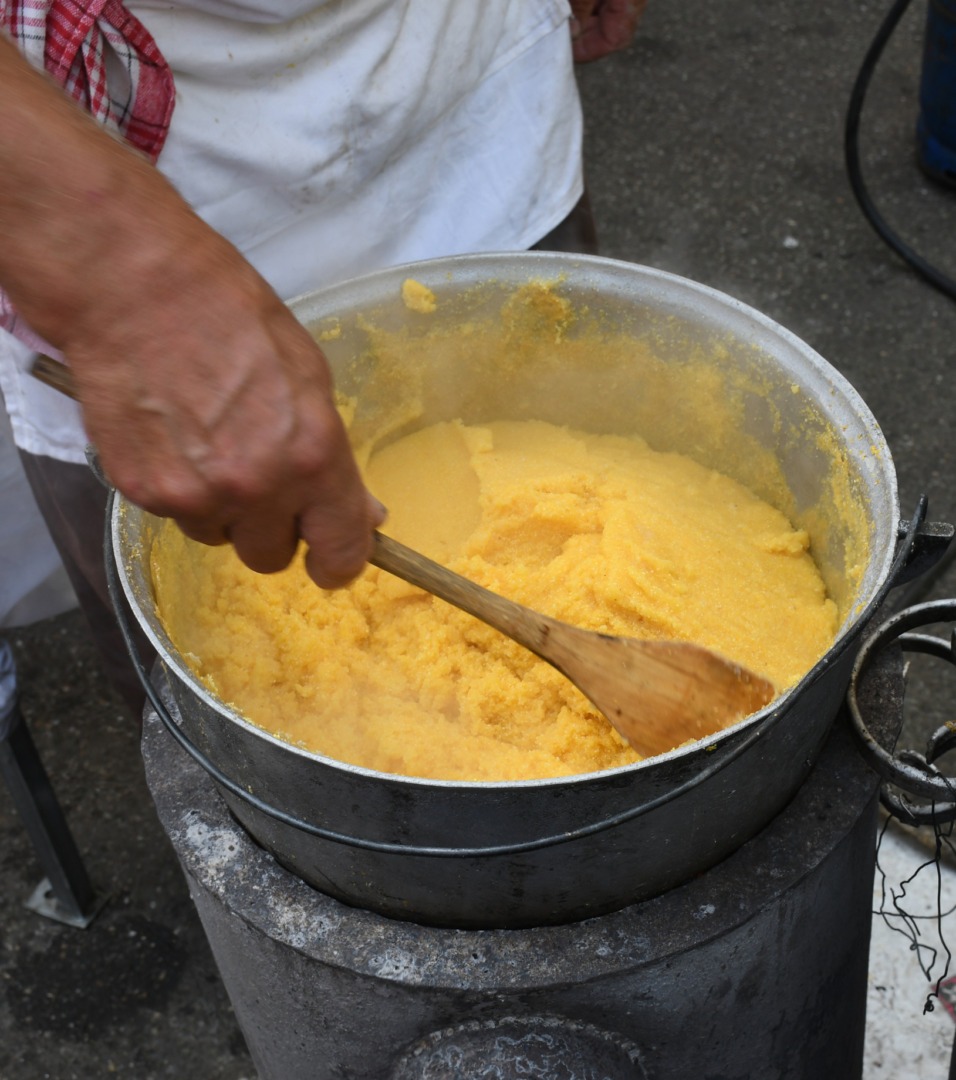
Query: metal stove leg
(66, 893)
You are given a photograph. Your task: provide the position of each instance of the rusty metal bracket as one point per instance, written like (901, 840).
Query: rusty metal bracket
(913, 773)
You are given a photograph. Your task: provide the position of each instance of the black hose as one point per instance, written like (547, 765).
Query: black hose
(927, 271)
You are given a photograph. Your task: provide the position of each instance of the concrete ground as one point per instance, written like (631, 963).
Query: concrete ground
(714, 150)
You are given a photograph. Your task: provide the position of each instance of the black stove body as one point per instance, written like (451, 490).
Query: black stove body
(755, 970)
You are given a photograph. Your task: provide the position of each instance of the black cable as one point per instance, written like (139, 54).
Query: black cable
(935, 277)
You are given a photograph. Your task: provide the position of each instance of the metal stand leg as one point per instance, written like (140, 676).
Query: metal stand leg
(65, 894)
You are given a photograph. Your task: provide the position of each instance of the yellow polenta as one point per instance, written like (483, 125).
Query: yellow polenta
(599, 531)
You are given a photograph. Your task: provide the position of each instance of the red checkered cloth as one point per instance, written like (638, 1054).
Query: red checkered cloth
(76, 42)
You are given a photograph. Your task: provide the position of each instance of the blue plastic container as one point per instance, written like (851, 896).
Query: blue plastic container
(936, 129)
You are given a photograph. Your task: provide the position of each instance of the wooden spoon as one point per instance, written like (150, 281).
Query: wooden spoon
(657, 694)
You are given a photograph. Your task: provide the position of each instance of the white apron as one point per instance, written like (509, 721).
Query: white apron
(33, 583)
(329, 139)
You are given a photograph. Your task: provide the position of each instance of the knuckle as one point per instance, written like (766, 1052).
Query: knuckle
(235, 480)
(332, 561)
(167, 494)
(312, 457)
(264, 561)
(320, 443)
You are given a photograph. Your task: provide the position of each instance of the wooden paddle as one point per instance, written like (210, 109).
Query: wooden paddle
(657, 694)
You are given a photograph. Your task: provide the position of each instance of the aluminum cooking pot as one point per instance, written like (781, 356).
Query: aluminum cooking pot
(705, 375)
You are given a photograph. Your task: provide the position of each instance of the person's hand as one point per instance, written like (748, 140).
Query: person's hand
(601, 27)
(205, 398)
(210, 404)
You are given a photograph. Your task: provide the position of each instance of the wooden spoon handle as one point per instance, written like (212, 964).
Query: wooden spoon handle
(55, 374)
(527, 627)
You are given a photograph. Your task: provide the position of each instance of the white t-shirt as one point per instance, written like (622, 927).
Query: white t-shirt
(328, 139)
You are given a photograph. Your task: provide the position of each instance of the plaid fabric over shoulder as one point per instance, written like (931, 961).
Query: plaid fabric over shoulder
(77, 42)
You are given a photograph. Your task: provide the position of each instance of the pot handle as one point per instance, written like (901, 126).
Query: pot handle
(913, 773)
(929, 544)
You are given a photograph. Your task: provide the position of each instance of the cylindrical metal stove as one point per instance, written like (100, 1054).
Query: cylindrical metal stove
(756, 969)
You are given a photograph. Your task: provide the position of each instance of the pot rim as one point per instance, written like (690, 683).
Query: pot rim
(443, 269)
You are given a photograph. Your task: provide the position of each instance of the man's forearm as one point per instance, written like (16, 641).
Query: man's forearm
(207, 401)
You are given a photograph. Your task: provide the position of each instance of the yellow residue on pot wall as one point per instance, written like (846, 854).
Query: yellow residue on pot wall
(536, 355)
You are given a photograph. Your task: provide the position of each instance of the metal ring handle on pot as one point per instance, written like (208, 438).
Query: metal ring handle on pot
(907, 547)
(912, 772)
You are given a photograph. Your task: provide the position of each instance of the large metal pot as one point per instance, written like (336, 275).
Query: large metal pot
(536, 852)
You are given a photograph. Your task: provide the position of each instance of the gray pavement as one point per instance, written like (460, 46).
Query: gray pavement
(714, 150)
